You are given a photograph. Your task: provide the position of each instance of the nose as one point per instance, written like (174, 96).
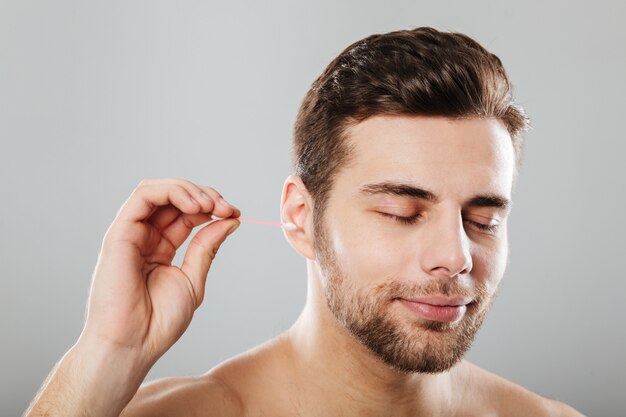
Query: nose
(446, 249)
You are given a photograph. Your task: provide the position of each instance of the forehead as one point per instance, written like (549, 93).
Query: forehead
(452, 156)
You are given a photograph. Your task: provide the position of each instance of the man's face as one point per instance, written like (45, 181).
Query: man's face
(413, 242)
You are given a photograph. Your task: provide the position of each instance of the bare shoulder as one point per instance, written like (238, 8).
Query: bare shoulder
(204, 396)
(505, 398)
(254, 371)
(259, 378)
(231, 388)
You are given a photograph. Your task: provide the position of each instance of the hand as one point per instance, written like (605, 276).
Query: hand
(138, 299)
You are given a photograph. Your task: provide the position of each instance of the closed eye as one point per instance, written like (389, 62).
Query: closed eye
(404, 220)
(409, 220)
(489, 228)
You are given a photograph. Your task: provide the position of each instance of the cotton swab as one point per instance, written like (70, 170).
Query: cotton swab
(286, 226)
(255, 221)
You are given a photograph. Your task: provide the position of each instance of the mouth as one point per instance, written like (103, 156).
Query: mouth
(437, 308)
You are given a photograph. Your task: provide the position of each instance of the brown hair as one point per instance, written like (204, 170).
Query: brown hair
(416, 72)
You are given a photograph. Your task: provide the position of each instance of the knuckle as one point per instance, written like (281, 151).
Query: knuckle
(179, 188)
(211, 191)
(181, 182)
(212, 253)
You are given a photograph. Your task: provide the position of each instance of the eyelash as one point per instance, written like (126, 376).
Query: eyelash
(489, 228)
(404, 220)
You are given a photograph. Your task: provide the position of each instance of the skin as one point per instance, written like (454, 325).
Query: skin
(317, 367)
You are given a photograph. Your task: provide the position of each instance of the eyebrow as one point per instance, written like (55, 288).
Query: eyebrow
(407, 190)
(393, 188)
(489, 200)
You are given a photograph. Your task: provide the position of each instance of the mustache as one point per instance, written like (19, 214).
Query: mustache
(450, 288)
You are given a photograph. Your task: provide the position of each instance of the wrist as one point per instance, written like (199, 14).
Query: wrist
(108, 376)
(92, 379)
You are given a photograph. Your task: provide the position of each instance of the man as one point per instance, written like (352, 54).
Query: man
(405, 153)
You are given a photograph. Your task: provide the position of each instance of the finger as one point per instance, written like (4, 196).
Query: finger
(202, 250)
(146, 199)
(164, 216)
(208, 197)
(178, 231)
(222, 208)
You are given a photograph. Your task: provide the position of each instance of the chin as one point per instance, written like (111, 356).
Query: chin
(418, 345)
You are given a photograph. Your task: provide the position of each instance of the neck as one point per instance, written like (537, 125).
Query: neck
(332, 361)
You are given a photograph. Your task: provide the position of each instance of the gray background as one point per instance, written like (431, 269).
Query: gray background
(95, 96)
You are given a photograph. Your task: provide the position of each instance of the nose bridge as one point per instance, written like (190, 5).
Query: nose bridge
(447, 249)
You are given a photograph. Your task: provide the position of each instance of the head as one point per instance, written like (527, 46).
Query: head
(405, 153)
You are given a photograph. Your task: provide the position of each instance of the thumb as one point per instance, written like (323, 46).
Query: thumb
(202, 250)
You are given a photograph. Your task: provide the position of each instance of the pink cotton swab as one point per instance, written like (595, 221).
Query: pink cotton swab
(286, 226)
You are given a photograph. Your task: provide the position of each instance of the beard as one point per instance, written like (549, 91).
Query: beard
(415, 345)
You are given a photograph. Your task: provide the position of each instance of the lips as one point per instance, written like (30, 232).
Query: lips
(438, 308)
(440, 300)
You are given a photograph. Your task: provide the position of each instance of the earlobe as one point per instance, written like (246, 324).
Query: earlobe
(296, 215)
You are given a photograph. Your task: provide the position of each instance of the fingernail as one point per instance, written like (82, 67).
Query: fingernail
(224, 202)
(204, 195)
(214, 217)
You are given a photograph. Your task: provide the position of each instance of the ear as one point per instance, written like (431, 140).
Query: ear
(296, 207)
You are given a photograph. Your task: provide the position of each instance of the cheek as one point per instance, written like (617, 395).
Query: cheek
(364, 254)
(489, 265)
